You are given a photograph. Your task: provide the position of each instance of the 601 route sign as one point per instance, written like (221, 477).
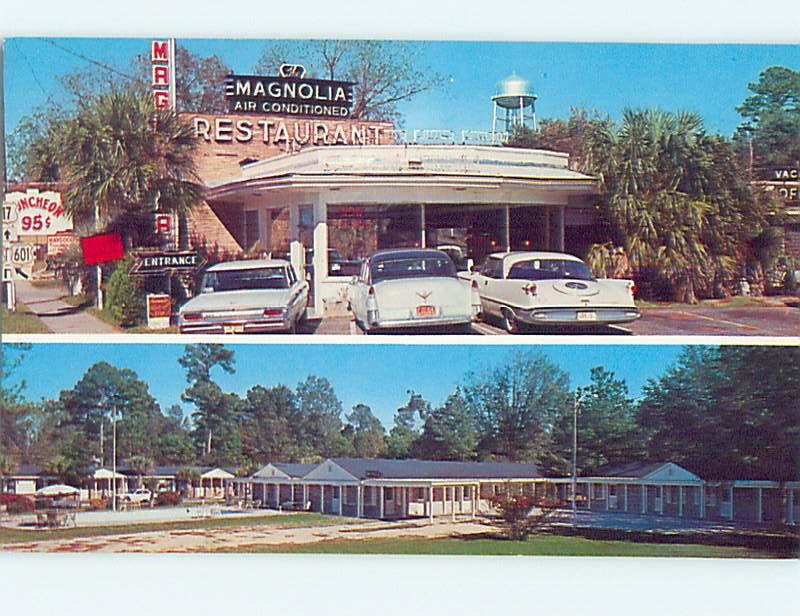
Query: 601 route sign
(19, 254)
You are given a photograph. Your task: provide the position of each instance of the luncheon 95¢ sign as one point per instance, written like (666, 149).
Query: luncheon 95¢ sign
(35, 213)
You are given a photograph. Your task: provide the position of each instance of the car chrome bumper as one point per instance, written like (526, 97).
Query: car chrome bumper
(247, 327)
(421, 322)
(569, 316)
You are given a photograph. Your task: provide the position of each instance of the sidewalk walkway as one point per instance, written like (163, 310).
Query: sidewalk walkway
(60, 317)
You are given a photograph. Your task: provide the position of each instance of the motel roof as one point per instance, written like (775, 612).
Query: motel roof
(647, 470)
(295, 470)
(365, 468)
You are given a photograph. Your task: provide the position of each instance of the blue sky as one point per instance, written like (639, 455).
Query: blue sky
(376, 374)
(709, 79)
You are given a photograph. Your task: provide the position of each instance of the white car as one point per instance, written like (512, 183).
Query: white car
(140, 495)
(550, 288)
(242, 297)
(411, 287)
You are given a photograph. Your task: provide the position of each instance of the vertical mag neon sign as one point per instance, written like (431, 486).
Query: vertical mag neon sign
(162, 57)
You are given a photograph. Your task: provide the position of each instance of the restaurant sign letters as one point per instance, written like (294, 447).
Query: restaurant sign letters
(289, 94)
(164, 262)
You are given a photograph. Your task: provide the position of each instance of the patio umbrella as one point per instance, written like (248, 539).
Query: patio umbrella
(57, 490)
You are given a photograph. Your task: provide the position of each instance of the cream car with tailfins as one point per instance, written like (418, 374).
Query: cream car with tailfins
(411, 287)
(550, 288)
(243, 297)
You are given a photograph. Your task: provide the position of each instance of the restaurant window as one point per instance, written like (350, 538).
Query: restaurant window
(355, 232)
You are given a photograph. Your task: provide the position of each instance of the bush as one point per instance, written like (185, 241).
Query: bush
(521, 516)
(21, 504)
(98, 504)
(124, 299)
(168, 499)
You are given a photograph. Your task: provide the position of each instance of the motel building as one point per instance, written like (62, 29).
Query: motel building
(400, 489)
(308, 187)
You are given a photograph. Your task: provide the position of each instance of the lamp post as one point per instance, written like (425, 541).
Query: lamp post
(114, 459)
(576, 401)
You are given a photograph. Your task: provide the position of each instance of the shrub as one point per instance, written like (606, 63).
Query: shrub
(521, 516)
(168, 499)
(98, 504)
(21, 504)
(124, 300)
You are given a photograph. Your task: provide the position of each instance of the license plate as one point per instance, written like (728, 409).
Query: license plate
(587, 316)
(233, 329)
(426, 311)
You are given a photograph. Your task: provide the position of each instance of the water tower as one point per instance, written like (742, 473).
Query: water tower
(514, 95)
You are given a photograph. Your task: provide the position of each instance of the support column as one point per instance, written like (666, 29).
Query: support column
(277, 496)
(430, 502)
(605, 487)
(265, 230)
(759, 505)
(322, 498)
(590, 494)
(505, 228)
(359, 506)
(644, 498)
(731, 495)
(475, 496)
(305, 495)
(341, 498)
(547, 230)
(296, 251)
(680, 501)
(625, 497)
(380, 504)
(320, 249)
(702, 489)
(453, 503)
(423, 226)
(661, 499)
(790, 505)
(559, 228)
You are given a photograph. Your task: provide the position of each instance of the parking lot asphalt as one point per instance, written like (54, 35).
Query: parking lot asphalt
(776, 320)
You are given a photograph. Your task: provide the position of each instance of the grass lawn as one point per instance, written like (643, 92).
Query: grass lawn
(106, 316)
(295, 520)
(548, 545)
(22, 321)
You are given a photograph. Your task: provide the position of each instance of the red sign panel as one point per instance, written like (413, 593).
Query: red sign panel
(102, 248)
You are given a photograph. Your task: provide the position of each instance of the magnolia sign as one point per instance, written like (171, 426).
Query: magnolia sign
(35, 213)
(289, 94)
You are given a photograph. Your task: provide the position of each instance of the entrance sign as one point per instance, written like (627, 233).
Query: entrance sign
(159, 310)
(289, 95)
(164, 262)
(35, 213)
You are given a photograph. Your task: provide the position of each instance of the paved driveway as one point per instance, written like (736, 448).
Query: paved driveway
(60, 317)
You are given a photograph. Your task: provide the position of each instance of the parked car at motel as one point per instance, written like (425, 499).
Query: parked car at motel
(551, 289)
(140, 495)
(411, 287)
(241, 297)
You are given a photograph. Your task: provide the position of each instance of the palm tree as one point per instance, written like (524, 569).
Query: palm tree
(667, 191)
(125, 158)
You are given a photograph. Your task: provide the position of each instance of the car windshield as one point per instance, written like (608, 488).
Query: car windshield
(550, 269)
(412, 267)
(243, 279)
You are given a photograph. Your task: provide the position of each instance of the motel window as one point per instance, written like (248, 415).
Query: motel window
(389, 492)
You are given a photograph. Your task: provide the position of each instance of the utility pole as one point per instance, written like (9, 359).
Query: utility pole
(576, 402)
(114, 460)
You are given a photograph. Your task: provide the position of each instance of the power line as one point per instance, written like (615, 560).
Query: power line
(33, 73)
(86, 58)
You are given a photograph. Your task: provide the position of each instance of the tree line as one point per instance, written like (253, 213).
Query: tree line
(723, 413)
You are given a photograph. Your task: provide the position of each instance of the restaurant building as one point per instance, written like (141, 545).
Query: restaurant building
(324, 188)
